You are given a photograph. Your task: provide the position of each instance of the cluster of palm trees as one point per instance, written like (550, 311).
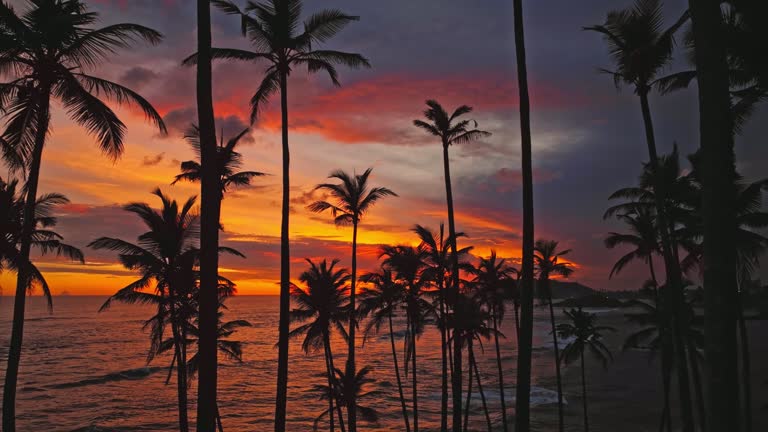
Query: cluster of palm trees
(709, 214)
(49, 50)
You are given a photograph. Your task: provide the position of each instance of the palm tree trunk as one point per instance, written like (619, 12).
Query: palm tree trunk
(666, 378)
(584, 393)
(329, 374)
(413, 376)
(674, 287)
(456, 376)
(23, 279)
(498, 365)
(746, 369)
(697, 386)
(181, 381)
(333, 370)
(525, 335)
(469, 396)
(558, 377)
(218, 419)
(171, 368)
(209, 227)
(473, 362)
(350, 375)
(281, 398)
(397, 375)
(443, 358)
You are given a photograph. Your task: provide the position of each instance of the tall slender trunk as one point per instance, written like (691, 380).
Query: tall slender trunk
(413, 376)
(666, 378)
(281, 398)
(746, 369)
(23, 278)
(469, 396)
(443, 357)
(525, 335)
(350, 375)
(181, 381)
(498, 365)
(473, 363)
(700, 405)
(456, 376)
(561, 422)
(718, 163)
(674, 286)
(209, 227)
(397, 375)
(584, 394)
(329, 374)
(218, 419)
(333, 369)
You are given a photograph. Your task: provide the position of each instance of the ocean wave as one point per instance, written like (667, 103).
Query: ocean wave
(130, 374)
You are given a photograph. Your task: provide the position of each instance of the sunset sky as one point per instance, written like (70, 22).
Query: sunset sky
(587, 137)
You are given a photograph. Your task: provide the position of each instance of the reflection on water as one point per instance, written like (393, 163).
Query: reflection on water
(83, 370)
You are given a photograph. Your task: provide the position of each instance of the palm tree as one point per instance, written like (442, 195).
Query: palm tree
(655, 335)
(351, 199)
(346, 387)
(586, 336)
(271, 27)
(470, 324)
(642, 238)
(164, 257)
(525, 333)
(54, 65)
(407, 263)
(436, 246)
(379, 303)
(750, 245)
(228, 159)
(641, 48)
(210, 191)
(450, 130)
(43, 237)
(325, 302)
(548, 263)
(491, 277)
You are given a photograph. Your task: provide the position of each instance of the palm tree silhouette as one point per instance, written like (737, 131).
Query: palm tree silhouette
(231, 349)
(750, 244)
(407, 263)
(53, 46)
(469, 322)
(642, 238)
(346, 387)
(229, 161)
(450, 130)
(379, 303)
(271, 27)
(492, 278)
(210, 191)
(548, 263)
(525, 332)
(586, 336)
(163, 256)
(640, 48)
(43, 237)
(655, 335)
(436, 247)
(325, 302)
(350, 201)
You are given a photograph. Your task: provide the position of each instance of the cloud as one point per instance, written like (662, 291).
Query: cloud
(136, 77)
(153, 160)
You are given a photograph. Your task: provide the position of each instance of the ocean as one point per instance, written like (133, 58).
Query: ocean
(87, 371)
